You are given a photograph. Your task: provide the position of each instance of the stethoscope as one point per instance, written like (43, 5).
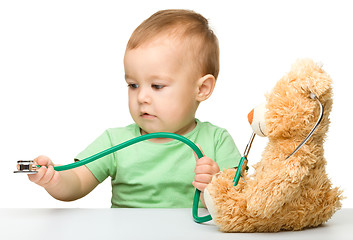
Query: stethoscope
(29, 166)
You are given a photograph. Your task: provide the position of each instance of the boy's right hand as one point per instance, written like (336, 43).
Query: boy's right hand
(46, 176)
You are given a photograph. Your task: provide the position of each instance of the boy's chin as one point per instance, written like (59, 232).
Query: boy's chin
(145, 131)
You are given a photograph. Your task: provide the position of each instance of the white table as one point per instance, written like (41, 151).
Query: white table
(76, 223)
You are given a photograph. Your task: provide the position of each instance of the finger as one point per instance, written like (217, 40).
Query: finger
(48, 176)
(43, 160)
(38, 176)
(205, 169)
(205, 161)
(203, 178)
(56, 177)
(199, 186)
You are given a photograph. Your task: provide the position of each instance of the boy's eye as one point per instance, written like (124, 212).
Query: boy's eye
(156, 86)
(133, 85)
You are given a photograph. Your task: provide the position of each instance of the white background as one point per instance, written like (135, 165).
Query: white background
(62, 79)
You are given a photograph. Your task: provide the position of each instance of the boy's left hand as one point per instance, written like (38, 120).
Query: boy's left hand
(204, 171)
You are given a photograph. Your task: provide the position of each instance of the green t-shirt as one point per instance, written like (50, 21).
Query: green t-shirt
(157, 175)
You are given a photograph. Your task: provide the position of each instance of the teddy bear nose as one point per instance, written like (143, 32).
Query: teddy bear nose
(251, 116)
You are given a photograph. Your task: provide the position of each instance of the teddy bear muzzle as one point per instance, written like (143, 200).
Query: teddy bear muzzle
(256, 118)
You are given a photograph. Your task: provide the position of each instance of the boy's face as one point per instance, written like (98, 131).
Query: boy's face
(162, 86)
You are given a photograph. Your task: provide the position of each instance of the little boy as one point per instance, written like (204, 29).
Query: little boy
(171, 65)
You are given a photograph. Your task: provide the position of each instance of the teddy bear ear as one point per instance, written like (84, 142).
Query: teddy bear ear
(310, 77)
(290, 105)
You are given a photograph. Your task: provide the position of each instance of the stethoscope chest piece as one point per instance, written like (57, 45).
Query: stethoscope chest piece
(26, 166)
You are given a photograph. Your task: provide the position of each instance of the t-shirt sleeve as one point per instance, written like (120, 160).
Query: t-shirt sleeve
(102, 167)
(227, 153)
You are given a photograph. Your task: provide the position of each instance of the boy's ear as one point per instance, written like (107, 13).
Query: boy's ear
(205, 86)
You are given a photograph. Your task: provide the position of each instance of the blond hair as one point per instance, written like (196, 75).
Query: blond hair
(186, 25)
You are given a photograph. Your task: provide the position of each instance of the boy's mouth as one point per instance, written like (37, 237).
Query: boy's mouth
(147, 116)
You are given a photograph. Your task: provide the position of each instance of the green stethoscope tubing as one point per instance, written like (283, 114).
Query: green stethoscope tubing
(129, 143)
(140, 139)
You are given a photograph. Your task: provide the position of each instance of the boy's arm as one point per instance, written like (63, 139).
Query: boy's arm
(66, 185)
(74, 184)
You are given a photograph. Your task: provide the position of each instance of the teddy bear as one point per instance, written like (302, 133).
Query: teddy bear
(286, 191)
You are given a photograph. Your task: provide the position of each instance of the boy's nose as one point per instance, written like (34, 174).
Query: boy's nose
(144, 96)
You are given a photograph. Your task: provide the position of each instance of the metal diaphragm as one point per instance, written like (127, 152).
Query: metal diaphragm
(26, 166)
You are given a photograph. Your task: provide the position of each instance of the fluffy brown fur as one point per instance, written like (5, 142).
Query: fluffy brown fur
(284, 194)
